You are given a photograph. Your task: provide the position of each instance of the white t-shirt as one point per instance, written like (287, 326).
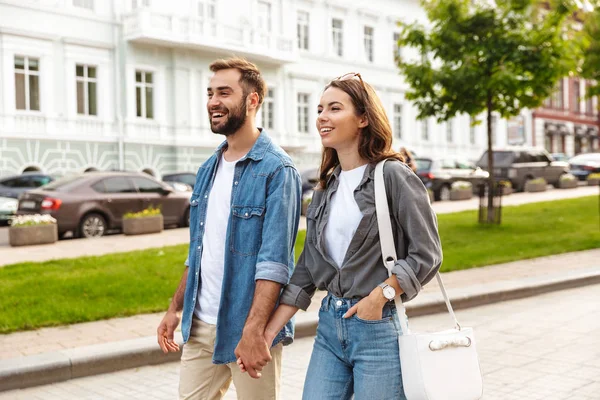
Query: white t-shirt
(344, 215)
(213, 243)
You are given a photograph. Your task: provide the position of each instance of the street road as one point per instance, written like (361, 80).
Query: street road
(545, 347)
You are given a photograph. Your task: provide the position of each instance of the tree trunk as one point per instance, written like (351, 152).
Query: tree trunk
(490, 205)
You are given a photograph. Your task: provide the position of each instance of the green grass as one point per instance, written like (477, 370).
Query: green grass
(67, 291)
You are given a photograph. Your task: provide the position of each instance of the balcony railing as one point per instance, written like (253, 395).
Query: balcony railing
(145, 26)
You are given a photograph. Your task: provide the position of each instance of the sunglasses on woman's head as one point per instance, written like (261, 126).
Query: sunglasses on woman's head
(351, 75)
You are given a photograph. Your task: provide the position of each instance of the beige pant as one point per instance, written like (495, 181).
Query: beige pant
(200, 379)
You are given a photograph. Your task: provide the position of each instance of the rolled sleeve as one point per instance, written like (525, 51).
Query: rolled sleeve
(419, 231)
(295, 296)
(275, 260)
(272, 271)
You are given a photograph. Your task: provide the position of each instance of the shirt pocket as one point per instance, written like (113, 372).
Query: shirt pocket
(312, 221)
(194, 216)
(246, 229)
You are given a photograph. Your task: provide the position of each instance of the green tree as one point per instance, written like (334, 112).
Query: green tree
(481, 56)
(590, 41)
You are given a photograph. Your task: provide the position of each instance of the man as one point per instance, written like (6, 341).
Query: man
(243, 223)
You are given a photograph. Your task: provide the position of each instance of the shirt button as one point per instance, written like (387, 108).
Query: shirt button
(201, 223)
(338, 303)
(205, 196)
(199, 247)
(235, 183)
(245, 215)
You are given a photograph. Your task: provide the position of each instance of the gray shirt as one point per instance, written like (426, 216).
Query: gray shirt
(415, 232)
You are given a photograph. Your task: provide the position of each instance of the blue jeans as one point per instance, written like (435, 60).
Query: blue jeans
(354, 356)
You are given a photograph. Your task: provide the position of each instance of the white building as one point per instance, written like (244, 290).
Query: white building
(121, 84)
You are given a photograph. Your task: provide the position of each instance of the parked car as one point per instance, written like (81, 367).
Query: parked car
(188, 178)
(584, 164)
(439, 174)
(559, 156)
(522, 164)
(92, 203)
(13, 186)
(179, 186)
(8, 209)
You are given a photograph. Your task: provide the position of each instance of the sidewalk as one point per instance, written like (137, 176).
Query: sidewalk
(57, 354)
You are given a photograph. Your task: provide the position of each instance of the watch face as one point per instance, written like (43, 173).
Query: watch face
(389, 292)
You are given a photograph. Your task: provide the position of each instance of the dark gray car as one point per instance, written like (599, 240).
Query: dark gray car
(522, 164)
(13, 186)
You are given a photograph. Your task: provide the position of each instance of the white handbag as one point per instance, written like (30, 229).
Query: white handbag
(435, 366)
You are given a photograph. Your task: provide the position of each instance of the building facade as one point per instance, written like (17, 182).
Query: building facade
(121, 84)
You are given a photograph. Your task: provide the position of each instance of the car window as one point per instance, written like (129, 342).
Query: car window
(524, 157)
(9, 182)
(147, 185)
(37, 181)
(448, 164)
(186, 178)
(117, 184)
(501, 158)
(423, 164)
(543, 157)
(64, 184)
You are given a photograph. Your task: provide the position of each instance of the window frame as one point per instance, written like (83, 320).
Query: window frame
(86, 81)
(369, 42)
(268, 110)
(303, 30)
(397, 110)
(302, 110)
(27, 74)
(337, 36)
(143, 86)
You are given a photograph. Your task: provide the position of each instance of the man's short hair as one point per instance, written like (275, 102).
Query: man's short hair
(251, 79)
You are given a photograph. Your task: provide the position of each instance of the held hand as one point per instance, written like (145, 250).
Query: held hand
(369, 308)
(165, 331)
(252, 353)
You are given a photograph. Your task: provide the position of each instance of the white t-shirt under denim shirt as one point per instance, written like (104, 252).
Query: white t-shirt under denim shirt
(213, 243)
(344, 215)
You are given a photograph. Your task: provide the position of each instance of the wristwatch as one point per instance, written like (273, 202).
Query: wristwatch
(388, 291)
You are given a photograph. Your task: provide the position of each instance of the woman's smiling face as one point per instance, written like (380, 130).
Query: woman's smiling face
(337, 123)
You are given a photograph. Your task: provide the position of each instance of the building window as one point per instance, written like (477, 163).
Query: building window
(395, 47)
(143, 94)
(556, 99)
(494, 128)
(86, 81)
(139, 3)
(368, 41)
(302, 27)
(398, 121)
(337, 30)
(303, 106)
(471, 130)
(89, 4)
(449, 131)
(576, 96)
(27, 83)
(425, 129)
(264, 16)
(589, 102)
(268, 110)
(207, 9)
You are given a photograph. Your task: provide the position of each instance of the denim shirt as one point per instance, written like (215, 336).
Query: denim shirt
(415, 231)
(261, 233)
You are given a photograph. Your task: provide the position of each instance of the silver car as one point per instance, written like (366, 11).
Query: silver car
(8, 209)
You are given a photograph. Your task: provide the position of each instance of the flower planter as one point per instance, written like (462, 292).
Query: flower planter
(593, 182)
(140, 226)
(461, 194)
(506, 190)
(32, 235)
(567, 184)
(535, 186)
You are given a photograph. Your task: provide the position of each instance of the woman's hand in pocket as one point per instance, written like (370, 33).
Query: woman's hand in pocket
(369, 308)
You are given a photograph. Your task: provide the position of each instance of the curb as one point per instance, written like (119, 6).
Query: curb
(41, 369)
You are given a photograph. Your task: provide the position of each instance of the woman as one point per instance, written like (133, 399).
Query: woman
(356, 348)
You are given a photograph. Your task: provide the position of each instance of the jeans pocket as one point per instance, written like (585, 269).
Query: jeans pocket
(373, 321)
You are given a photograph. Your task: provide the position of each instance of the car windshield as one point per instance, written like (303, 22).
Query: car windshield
(64, 184)
(423, 164)
(501, 158)
(585, 158)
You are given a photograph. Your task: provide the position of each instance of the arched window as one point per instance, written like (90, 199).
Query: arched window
(32, 168)
(149, 171)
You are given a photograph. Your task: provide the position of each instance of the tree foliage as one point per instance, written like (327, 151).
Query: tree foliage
(590, 46)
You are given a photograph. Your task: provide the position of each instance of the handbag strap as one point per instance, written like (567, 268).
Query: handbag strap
(388, 248)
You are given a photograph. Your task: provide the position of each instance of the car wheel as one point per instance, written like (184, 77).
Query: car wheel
(92, 226)
(186, 219)
(445, 193)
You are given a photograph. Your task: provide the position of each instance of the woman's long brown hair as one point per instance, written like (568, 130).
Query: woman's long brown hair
(375, 143)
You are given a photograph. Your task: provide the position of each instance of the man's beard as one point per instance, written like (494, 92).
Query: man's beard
(236, 117)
